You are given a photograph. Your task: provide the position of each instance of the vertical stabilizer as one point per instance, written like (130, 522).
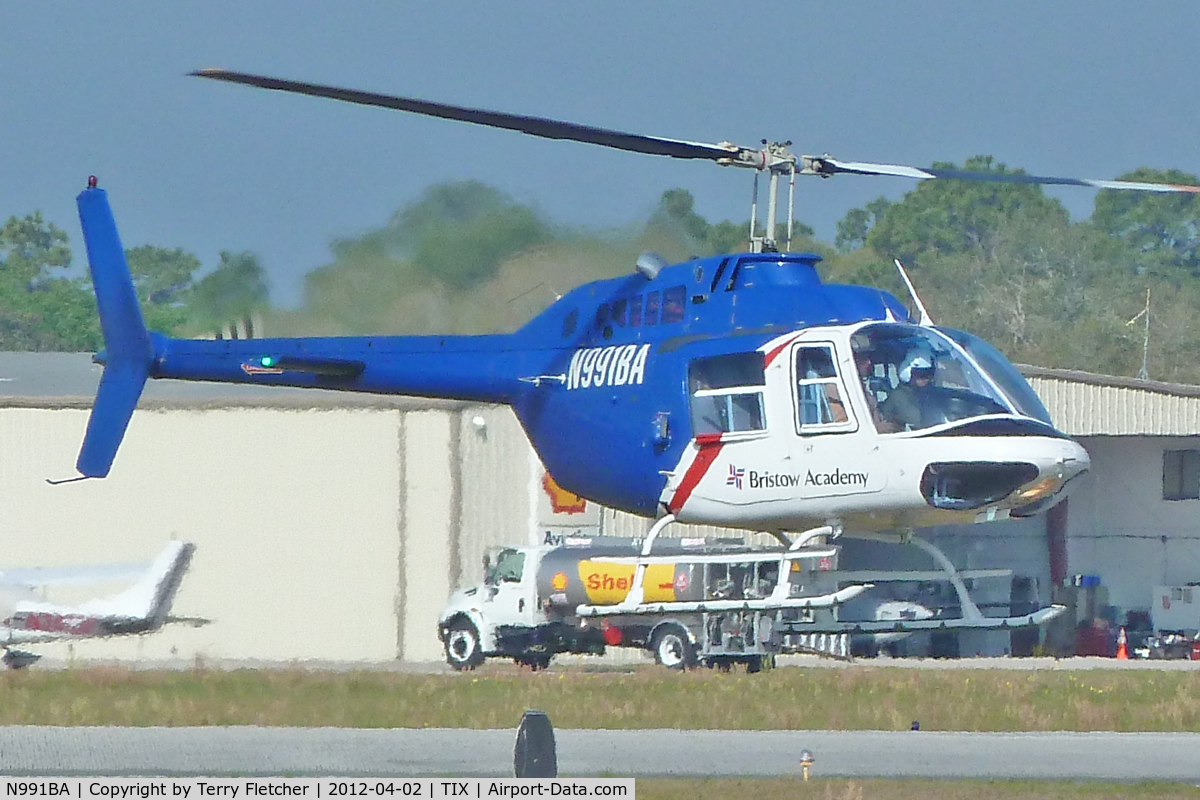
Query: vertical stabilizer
(129, 349)
(147, 603)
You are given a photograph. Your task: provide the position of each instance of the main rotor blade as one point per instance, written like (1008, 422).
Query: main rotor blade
(826, 166)
(534, 126)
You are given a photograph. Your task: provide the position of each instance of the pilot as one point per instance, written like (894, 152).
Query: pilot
(902, 408)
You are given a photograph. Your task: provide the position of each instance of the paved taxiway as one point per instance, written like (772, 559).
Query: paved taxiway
(236, 751)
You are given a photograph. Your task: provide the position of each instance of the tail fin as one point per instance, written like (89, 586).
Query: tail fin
(129, 349)
(147, 603)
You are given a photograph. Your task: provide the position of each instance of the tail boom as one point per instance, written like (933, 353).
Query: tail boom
(469, 368)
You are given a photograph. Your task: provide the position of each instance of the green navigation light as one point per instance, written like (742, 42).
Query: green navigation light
(267, 361)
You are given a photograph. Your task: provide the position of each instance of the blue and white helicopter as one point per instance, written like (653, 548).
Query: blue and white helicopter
(737, 390)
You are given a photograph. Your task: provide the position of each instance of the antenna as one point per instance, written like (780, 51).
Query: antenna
(1144, 374)
(925, 321)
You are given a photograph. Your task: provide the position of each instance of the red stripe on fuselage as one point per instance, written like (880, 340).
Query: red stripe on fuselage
(778, 349)
(709, 450)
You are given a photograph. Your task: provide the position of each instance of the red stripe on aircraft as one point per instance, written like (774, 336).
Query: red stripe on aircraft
(710, 447)
(771, 356)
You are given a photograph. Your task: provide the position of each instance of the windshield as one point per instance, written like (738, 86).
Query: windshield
(509, 566)
(1001, 370)
(915, 378)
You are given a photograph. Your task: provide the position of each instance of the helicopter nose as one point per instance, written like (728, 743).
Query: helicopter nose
(1054, 480)
(1029, 482)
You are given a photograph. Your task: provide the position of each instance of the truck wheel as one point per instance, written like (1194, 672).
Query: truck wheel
(673, 649)
(759, 663)
(462, 645)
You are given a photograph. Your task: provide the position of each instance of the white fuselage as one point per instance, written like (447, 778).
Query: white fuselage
(799, 467)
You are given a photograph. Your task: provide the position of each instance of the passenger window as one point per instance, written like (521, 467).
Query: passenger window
(674, 302)
(635, 311)
(570, 321)
(820, 399)
(727, 393)
(602, 315)
(651, 317)
(618, 312)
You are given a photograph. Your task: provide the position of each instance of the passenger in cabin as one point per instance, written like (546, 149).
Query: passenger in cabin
(833, 400)
(902, 408)
(866, 373)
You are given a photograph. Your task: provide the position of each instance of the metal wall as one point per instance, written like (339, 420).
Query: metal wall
(295, 515)
(1120, 528)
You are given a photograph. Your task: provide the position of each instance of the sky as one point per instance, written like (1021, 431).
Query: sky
(1080, 88)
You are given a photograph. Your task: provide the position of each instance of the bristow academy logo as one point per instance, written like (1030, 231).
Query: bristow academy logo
(779, 480)
(735, 476)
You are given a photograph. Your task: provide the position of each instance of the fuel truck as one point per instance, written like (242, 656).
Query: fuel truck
(686, 601)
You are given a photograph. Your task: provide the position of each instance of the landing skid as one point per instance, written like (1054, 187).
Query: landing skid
(972, 617)
(1039, 617)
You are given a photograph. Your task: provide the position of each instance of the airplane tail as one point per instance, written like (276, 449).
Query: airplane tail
(129, 349)
(145, 605)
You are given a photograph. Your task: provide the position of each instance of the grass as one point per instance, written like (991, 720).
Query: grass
(908, 789)
(856, 698)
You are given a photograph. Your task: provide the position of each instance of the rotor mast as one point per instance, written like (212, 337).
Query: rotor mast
(776, 160)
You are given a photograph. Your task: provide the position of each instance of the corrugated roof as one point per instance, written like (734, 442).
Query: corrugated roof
(1088, 404)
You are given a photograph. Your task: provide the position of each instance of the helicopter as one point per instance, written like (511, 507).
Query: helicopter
(735, 390)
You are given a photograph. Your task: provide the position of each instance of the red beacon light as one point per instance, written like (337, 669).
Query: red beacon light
(91, 181)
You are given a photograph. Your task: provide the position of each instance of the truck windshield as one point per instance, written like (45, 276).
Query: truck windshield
(510, 564)
(916, 378)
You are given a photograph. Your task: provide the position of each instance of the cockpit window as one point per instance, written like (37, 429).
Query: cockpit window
(915, 378)
(727, 393)
(1001, 370)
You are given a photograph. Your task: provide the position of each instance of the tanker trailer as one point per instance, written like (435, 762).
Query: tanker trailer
(687, 601)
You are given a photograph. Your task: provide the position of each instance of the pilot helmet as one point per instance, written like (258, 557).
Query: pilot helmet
(919, 366)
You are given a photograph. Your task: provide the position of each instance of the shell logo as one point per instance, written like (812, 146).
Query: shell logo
(559, 581)
(562, 501)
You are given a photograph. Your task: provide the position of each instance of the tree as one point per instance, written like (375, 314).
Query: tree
(235, 290)
(852, 229)
(954, 216)
(676, 217)
(1163, 229)
(458, 233)
(162, 279)
(38, 309)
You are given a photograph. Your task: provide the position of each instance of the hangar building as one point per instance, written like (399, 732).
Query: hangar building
(332, 526)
